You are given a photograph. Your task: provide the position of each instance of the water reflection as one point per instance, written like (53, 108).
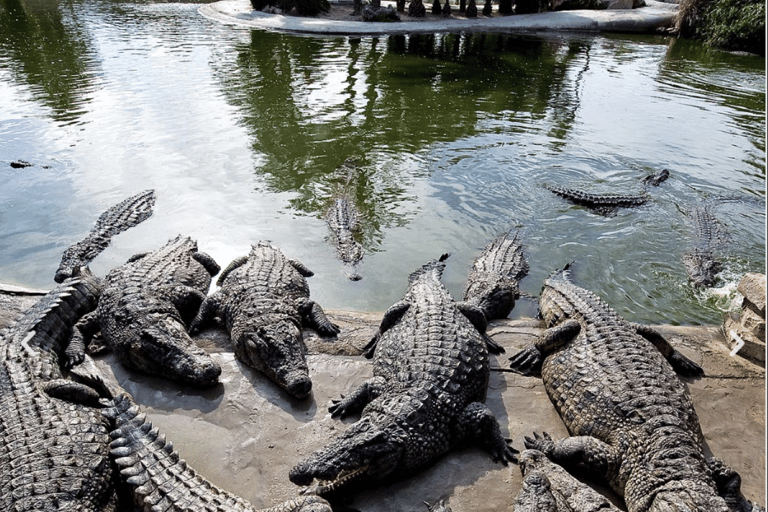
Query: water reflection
(45, 46)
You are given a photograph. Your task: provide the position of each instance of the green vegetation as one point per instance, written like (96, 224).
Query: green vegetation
(737, 25)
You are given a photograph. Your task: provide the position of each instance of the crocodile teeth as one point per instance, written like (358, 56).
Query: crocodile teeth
(326, 486)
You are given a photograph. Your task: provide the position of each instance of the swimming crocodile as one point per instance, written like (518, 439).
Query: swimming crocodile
(431, 370)
(144, 311)
(607, 204)
(343, 219)
(614, 385)
(547, 487)
(493, 282)
(263, 301)
(160, 480)
(54, 442)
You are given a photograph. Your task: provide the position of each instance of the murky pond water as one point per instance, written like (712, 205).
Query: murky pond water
(241, 131)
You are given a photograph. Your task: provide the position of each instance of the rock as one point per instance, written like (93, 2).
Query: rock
(752, 287)
(371, 13)
(742, 342)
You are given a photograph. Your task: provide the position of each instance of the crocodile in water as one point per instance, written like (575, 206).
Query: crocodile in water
(431, 370)
(614, 385)
(344, 219)
(493, 282)
(144, 311)
(263, 301)
(159, 480)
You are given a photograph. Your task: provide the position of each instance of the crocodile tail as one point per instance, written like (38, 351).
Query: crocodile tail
(434, 268)
(139, 449)
(115, 220)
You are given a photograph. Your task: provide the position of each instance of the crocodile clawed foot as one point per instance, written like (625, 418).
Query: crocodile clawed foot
(543, 443)
(527, 362)
(684, 366)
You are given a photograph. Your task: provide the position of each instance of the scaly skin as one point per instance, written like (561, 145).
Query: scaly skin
(604, 204)
(160, 480)
(263, 300)
(549, 488)
(493, 282)
(431, 374)
(343, 219)
(615, 388)
(54, 442)
(700, 260)
(144, 310)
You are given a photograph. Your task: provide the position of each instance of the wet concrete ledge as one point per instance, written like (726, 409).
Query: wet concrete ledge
(246, 434)
(654, 16)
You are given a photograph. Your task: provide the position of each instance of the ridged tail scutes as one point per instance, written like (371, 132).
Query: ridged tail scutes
(120, 217)
(434, 268)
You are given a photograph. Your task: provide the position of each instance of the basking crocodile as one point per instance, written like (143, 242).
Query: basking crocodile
(160, 480)
(431, 372)
(614, 385)
(144, 311)
(607, 204)
(343, 219)
(54, 442)
(115, 220)
(262, 301)
(493, 282)
(549, 488)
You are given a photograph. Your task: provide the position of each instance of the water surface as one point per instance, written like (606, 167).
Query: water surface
(241, 132)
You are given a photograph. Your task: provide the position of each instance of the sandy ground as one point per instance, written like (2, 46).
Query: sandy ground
(246, 434)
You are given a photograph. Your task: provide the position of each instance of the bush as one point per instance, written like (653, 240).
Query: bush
(303, 7)
(727, 24)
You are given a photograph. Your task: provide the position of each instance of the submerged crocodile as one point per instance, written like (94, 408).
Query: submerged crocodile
(431, 370)
(263, 300)
(607, 204)
(632, 420)
(549, 488)
(54, 442)
(343, 219)
(493, 282)
(144, 311)
(160, 480)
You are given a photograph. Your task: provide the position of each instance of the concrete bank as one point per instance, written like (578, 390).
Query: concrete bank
(645, 19)
(246, 434)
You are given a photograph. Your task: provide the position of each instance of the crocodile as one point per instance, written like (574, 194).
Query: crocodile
(615, 386)
(159, 479)
(493, 282)
(113, 221)
(54, 442)
(607, 204)
(262, 302)
(144, 311)
(431, 370)
(548, 487)
(343, 219)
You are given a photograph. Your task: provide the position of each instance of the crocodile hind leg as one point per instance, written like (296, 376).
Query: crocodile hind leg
(529, 360)
(83, 331)
(477, 422)
(728, 484)
(359, 398)
(186, 300)
(586, 451)
(681, 364)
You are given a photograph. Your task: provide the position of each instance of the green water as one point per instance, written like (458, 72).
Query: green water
(241, 131)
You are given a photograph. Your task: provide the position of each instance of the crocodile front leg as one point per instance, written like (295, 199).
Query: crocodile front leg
(315, 317)
(478, 423)
(360, 397)
(681, 364)
(208, 263)
(82, 333)
(529, 360)
(186, 300)
(209, 309)
(587, 451)
(391, 316)
(477, 318)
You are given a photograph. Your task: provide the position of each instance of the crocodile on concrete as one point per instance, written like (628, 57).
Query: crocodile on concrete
(493, 283)
(630, 417)
(159, 479)
(431, 370)
(607, 204)
(263, 302)
(115, 220)
(145, 309)
(548, 487)
(54, 441)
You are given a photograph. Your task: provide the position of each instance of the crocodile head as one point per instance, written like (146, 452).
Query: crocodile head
(277, 349)
(158, 344)
(363, 452)
(492, 292)
(702, 268)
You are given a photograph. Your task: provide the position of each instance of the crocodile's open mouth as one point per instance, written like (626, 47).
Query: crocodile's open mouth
(320, 487)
